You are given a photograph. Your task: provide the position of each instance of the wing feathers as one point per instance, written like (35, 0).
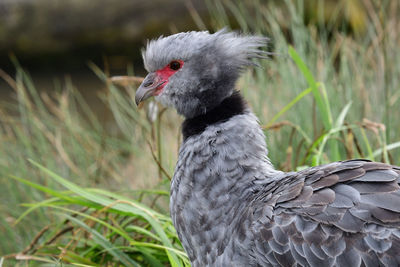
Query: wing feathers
(377, 245)
(362, 214)
(318, 252)
(347, 191)
(385, 216)
(325, 182)
(321, 197)
(297, 256)
(278, 248)
(370, 260)
(350, 223)
(285, 259)
(368, 166)
(347, 175)
(386, 201)
(316, 237)
(313, 260)
(293, 192)
(305, 226)
(342, 214)
(367, 188)
(349, 258)
(342, 201)
(280, 236)
(334, 248)
(378, 176)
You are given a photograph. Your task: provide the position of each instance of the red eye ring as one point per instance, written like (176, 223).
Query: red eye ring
(175, 65)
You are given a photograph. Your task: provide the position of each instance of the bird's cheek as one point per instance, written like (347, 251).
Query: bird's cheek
(164, 78)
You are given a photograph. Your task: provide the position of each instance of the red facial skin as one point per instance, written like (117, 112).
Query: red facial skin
(164, 74)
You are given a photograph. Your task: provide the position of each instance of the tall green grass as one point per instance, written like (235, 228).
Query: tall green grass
(111, 228)
(343, 87)
(327, 94)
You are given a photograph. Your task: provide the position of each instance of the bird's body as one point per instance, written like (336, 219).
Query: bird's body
(229, 205)
(232, 208)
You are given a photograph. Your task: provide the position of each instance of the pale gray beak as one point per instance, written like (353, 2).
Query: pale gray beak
(148, 87)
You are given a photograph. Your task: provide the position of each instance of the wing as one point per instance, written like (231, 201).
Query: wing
(340, 214)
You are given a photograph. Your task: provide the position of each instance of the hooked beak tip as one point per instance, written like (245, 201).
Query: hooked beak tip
(137, 100)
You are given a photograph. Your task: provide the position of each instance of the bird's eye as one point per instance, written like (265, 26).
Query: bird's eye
(175, 65)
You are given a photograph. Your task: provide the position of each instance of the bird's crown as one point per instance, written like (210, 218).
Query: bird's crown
(235, 48)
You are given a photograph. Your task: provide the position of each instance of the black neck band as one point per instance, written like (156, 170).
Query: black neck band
(231, 106)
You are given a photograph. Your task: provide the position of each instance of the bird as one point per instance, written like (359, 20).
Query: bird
(229, 205)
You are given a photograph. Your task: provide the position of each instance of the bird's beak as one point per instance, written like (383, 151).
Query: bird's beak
(149, 87)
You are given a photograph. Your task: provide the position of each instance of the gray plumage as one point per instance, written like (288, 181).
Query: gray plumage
(230, 206)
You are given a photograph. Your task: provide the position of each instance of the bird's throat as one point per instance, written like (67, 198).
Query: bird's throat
(229, 107)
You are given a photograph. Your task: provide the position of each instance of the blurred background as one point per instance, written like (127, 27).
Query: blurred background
(54, 38)
(60, 108)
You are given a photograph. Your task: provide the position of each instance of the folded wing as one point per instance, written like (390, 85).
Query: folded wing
(340, 214)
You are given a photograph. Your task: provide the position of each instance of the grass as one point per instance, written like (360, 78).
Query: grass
(119, 228)
(328, 94)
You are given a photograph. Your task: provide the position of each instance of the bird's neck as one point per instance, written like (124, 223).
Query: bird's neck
(229, 107)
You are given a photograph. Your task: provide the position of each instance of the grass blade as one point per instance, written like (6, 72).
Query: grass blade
(105, 243)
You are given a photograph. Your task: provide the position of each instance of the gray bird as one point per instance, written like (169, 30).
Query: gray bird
(229, 205)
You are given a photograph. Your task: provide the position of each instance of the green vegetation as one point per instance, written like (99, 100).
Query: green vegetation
(65, 175)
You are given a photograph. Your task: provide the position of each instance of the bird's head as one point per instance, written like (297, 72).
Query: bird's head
(195, 71)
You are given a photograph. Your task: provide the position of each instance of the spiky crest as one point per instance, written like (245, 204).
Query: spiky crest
(240, 49)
